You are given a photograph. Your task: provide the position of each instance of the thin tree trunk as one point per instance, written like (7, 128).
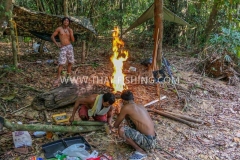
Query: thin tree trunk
(12, 33)
(121, 17)
(65, 8)
(41, 47)
(212, 20)
(40, 7)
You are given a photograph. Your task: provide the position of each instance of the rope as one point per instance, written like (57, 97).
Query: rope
(15, 28)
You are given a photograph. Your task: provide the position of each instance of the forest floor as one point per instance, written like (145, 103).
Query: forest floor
(201, 97)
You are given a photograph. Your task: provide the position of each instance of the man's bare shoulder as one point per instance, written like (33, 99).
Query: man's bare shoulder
(92, 97)
(59, 29)
(126, 108)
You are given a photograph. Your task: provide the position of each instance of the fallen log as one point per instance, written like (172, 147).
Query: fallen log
(173, 117)
(186, 117)
(42, 127)
(65, 95)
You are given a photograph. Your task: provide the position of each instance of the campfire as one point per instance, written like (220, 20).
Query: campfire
(119, 56)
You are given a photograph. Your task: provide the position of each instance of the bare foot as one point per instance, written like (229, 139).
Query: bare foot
(56, 83)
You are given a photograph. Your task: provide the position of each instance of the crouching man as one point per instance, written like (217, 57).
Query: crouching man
(99, 107)
(140, 133)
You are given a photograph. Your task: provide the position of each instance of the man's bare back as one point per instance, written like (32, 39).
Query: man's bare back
(141, 135)
(140, 117)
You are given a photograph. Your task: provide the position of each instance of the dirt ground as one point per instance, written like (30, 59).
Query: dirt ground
(210, 100)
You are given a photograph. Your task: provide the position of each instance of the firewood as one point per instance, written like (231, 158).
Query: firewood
(173, 117)
(186, 117)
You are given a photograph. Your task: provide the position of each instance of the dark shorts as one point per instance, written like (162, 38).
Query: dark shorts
(66, 54)
(144, 141)
(83, 111)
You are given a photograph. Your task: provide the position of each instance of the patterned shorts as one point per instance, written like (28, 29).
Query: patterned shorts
(144, 141)
(66, 53)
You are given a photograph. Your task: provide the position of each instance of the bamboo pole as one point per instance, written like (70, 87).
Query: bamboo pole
(41, 127)
(88, 123)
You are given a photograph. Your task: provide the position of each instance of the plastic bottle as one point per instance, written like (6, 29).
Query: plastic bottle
(39, 133)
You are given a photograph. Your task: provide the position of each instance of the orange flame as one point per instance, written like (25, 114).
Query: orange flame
(118, 57)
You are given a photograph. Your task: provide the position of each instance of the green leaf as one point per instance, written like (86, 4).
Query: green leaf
(8, 97)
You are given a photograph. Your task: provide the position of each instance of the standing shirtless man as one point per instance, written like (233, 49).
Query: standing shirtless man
(65, 34)
(140, 133)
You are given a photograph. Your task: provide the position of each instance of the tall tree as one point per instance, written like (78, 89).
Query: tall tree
(212, 19)
(65, 8)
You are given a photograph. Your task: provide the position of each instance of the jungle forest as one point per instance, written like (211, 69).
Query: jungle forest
(119, 79)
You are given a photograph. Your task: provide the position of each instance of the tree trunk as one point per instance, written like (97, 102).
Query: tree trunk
(65, 8)
(172, 30)
(42, 127)
(121, 17)
(12, 32)
(41, 47)
(212, 20)
(39, 5)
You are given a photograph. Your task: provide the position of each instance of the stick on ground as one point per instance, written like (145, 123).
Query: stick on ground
(173, 117)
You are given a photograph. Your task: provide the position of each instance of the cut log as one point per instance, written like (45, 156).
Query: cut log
(65, 95)
(42, 127)
(173, 117)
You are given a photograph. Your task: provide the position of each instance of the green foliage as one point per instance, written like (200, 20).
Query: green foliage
(27, 39)
(8, 14)
(95, 65)
(105, 14)
(228, 42)
(12, 69)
